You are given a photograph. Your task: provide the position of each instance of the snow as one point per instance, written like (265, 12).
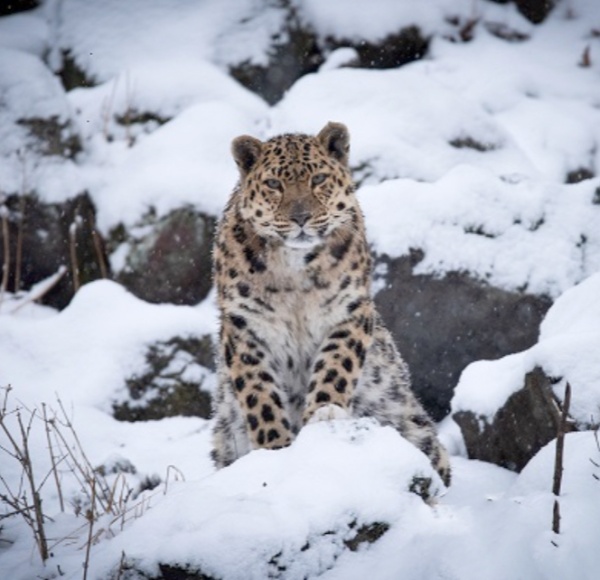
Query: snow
(342, 19)
(65, 351)
(100, 38)
(236, 530)
(176, 165)
(463, 154)
(25, 33)
(514, 233)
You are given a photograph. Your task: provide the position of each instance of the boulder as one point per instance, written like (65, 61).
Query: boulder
(509, 409)
(171, 382)
(535, 10)
(360, 536)
(443, 324)
(44, 237)
(294, 53)
(166, 259)
(406, 45)
(298, 50)
(528, 420)
(50, 219)
(15, 6)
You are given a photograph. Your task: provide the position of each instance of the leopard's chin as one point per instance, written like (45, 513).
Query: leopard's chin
(303, 242)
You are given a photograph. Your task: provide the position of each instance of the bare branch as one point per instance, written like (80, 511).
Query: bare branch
(53, 459)
(558, 459)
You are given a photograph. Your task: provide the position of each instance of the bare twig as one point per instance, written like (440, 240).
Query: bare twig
(19, 248)
(558, 459)
(127, 118)
(40, 289)
(107, 110)
(30, 512)
(90, 516)
(21, 221)
(122, 564)
(178, 474)
(23, 496)
(73, 253)
(28, 469)
(586, 58)
(47, 425)
(6, 246)
(99, 253)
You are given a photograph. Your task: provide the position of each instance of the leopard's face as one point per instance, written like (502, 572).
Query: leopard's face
(296, 189)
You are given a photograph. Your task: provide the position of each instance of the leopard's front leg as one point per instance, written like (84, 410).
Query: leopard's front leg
(255, 384)
(339, 364)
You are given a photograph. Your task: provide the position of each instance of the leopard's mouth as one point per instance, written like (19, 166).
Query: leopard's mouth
(303, 241)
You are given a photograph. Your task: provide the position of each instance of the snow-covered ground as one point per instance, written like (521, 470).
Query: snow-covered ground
(464, 154)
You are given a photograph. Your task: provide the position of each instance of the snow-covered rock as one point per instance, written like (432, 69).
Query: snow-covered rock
(38, 136)
(508, 409)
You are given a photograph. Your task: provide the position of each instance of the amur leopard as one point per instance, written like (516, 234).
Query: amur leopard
(300, 338)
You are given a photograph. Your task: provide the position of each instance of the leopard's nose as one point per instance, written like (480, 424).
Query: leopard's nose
(300, 216)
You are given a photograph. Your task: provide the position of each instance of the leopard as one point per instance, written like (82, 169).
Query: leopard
(300, 339)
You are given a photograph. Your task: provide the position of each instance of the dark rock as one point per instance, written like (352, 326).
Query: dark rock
(443, 324)
(44, 237)
(52, 137)
(129, 570)
(535, 10)
(526, 422)
(14, 6)
(368, 534)
(298, 54)
(175, 572)
(171, 382)
(71, 75)
(467, 142)
(296, 51)
(579, 174)
(407, 45)
(170, 260)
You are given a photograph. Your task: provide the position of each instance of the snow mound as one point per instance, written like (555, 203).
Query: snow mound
(393, 117)
(98, 34)
(283, 514)
(567, 351)
(26, 32)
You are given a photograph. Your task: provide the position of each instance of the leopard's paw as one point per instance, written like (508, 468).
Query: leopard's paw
(329, 413)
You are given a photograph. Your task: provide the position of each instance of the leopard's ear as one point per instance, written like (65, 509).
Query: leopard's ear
(246, 151)
(336, 140)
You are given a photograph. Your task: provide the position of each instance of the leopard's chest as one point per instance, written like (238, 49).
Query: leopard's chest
(300, 307)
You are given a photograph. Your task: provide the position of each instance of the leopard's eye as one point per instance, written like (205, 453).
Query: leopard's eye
(273, 183)
(318, 178)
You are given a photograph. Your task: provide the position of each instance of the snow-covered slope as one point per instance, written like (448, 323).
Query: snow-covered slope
(463, 154)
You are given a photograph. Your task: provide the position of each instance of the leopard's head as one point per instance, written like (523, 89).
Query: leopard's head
(296, 189)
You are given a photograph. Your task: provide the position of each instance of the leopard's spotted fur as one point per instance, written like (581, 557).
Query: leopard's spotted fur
(300, 338)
